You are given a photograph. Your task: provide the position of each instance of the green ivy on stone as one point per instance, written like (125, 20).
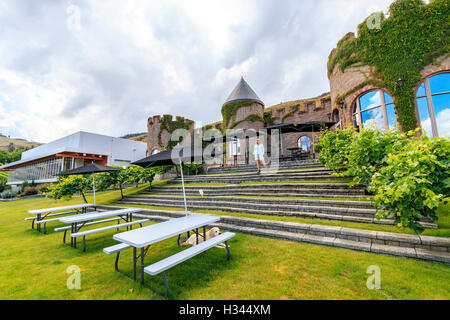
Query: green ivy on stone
(412, 37)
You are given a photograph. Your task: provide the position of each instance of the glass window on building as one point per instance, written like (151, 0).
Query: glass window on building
(235, 147)
(304, 143)
(433, 105)
(375, 109)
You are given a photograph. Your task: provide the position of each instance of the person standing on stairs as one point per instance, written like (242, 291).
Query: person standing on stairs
(259, 151)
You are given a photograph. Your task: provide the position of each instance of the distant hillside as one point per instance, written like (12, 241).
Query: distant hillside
(8, 143)
(142, 138)
(132, 135)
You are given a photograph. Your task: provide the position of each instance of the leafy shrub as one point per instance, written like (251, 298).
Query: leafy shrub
(3, 184)
(368, 151)
(333, 148)
(8, 194)
(30, 191)
(414, 181)
(43, 189)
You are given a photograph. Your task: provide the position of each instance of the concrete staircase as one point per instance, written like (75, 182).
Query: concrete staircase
(322, 190)
(434, 249)
(265, 176)
(351, 211)
(320, 201)
(252, 167)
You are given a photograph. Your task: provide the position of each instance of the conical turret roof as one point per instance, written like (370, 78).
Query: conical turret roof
(243, 92)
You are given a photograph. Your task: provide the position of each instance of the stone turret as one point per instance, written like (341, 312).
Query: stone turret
(160, 129)
(243, 108)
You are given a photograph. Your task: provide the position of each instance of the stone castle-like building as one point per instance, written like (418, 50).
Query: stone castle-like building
(360, 94)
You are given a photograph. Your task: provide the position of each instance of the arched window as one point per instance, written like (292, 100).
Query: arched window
(433, 105)
(156, 151)
(304, 143)
(375, 109)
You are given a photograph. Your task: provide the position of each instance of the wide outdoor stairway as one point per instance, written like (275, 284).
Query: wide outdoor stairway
(269, 175)
(254, 204)
(435, 249)
(252, 167)
(323, 190)
(351, 211)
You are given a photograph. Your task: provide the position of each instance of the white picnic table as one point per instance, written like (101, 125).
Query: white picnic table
(41, 214)
(79, 221)
(144, 237)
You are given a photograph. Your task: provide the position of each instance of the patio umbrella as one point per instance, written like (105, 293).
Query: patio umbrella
(178, 155)
(90, 169)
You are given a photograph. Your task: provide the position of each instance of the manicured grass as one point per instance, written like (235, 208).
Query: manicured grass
(34, 267)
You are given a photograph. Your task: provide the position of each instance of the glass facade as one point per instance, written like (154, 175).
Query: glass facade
(42, 170)
(375, 109)
(433, 105)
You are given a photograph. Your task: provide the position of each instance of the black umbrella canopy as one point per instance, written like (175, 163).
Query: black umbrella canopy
(171, 157)
(312, 126)
(89, 169)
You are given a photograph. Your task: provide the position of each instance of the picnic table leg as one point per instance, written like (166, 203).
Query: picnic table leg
(75, 239)
(228, 250)
(116, 264)
(38, 225)
(64, 236)
(134, 263)
(166, 283)
(71, 231)
(204, 233)
(196, 234)
(142, 265)
(131, 220)
(32, 224)
(84, 243)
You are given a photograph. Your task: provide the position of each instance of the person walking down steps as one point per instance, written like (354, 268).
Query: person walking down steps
(259, 154)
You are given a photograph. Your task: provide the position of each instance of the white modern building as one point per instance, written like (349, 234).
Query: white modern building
(42, 164)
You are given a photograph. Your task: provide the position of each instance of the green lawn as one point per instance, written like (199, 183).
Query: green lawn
(34, 267)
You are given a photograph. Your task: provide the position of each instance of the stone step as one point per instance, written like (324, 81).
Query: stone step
(260, 194)
(267, 172)
(435, 249)
(254, 200)
(251, 167)
(292, 189)
(260, 178)
(252, 207)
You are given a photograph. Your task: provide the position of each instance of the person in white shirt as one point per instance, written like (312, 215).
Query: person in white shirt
(259, 151)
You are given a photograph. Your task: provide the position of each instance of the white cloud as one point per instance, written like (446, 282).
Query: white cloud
(129, 60)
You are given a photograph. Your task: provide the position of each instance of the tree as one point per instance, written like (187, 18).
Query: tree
(116, 179)
(68, 186)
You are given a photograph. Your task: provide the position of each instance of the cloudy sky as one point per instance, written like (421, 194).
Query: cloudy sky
(106, 66)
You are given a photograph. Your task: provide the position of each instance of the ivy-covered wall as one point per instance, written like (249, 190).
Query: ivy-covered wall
(413, 36)
(160, 130)
(230, 112)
